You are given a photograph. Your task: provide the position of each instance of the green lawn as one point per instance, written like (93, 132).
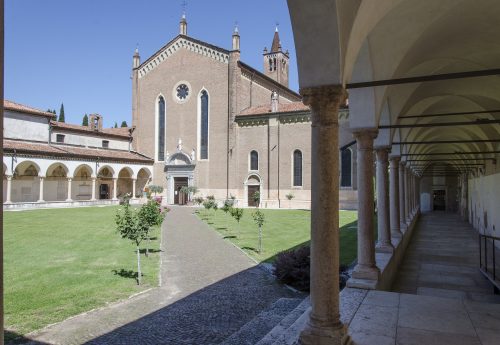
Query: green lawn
(283, 229)
(62, 262)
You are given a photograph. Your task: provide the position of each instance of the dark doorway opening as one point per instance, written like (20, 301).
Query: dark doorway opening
(252, 202)
(103, 191)
(180, 198)
(439, 200)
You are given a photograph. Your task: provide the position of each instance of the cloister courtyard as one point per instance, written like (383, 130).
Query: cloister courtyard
(52, 273)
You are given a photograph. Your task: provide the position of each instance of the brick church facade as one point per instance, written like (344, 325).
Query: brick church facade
(211, 121)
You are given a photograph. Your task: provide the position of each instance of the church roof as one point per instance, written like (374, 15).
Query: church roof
(43, 149)
(20, 108)
(282, 108)
(122, 132)
(275, 47)
(283, 90)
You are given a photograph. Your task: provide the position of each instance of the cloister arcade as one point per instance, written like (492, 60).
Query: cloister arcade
(422, 79)
(37, 180)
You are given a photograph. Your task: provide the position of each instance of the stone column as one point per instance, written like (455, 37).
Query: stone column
(465, 199)
(384, 230)
(366, 268)
(134, 180)
(115, 180)
(324, 325)
(402, 196)
(93, 189)
(394, 197)
(40, 195)
(8, 197)
(69, 189)
(407, 196)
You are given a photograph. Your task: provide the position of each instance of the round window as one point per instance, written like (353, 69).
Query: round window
(182, 92)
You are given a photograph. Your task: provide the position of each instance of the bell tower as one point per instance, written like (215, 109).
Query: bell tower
(276, 61)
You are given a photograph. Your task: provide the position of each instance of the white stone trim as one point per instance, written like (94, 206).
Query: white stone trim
(182, 43)
(293, 168)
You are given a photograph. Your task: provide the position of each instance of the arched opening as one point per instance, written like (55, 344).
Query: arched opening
(253, 191)
(105, 183)
(56, 183)
(161, 129)
(82, 183)
(254, 160)
(25, 182)
(4, 183)
(143, 178)
(297, 168)
(203, 124)
(124, 183)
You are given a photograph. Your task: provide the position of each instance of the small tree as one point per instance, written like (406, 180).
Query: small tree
(85, 121)
(116, 125)
(290, 196)
(124, 124)
(226, 208)
(151, 214)
(131, 227)
(155, 189)
(237, 214)
(207, 204)
(258, 217)
(61, 113)
(256, 198)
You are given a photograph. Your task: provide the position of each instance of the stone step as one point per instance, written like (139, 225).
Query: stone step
(259, 326)
(283, 327)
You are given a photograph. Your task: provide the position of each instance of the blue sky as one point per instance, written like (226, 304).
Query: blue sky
(80, 52)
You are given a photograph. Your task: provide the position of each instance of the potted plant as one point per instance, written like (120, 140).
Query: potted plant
(156, 190)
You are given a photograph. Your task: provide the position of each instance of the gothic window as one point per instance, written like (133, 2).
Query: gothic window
(254, 160)
(274, 64)
(204, 125)
(161, 129)
(297, 168)
(345, 172)
(270, 64)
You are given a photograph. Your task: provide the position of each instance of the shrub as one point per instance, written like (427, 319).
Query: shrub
(198, 200)
(290, 196)
(292, 267)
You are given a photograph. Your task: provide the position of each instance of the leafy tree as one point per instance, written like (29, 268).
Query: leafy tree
(226, 208)
(116, 125)
(156, 189)
(207, 204)
(259, 219)
(150, 213)
(85, 121)
(124, 124)
(237, 213)
(61, 113)
(130, 226)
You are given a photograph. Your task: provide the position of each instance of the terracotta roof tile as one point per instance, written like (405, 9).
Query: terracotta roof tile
(282, 108)
(9, 105)
(67, 151)
(121, 131)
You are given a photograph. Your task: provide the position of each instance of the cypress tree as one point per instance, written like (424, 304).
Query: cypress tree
(85, 121)
(61, 113)
(124, 124)
(116, 125)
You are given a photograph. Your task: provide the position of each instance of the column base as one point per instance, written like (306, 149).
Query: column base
(41, 200)
(313, 335)
(114, 199)
(396, 234)
(8, 202)
(384, 248)
(69, 200)
(366, 272)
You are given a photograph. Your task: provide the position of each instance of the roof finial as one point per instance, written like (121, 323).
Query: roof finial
(236, 30)
(277, 24)
(184, 5)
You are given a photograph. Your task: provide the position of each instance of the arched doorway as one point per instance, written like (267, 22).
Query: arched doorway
(180, 172)
(253, 188)
(105, 183)
(143, 178)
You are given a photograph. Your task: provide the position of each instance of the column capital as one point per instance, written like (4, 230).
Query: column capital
(41, 177)
(324, 101)
(382, 153)
(69, 179)
(9, 177)
(394, 162)
(364, 138)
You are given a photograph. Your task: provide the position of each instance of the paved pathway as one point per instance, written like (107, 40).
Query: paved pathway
(210, 289)
(442, 260)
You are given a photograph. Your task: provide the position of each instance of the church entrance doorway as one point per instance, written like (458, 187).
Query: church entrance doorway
(252, 201)
(180, 198)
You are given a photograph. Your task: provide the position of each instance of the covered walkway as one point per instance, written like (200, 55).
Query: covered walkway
(442, 260)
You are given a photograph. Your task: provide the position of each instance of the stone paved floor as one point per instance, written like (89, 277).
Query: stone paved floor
(210, 289)
(442, 259)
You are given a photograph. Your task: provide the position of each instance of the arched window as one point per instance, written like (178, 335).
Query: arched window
(204, 125)
(161, 129)
(345, 172)
(297, 168)
(274, 64)
(254, 160)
